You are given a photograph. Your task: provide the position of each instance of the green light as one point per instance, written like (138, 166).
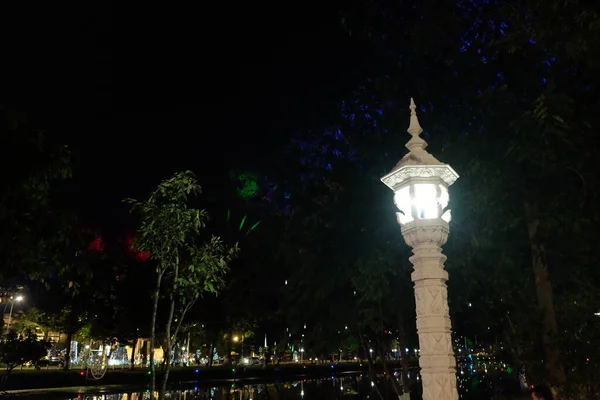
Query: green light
(253, 227)
(149, 372)
(249, 184)
(509, 370)
(233, 370)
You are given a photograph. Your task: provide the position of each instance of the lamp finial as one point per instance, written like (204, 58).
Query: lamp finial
(415, 143)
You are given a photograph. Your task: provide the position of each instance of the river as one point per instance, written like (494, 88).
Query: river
(351, 387)
(347, 387)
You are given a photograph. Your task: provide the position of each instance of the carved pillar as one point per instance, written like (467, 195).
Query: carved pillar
(436, 358)
(420, 183)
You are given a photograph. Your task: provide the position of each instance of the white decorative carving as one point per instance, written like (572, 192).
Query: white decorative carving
(436, 357)
(418, 162)
(439, 386)
(426, 231)
(412, 168)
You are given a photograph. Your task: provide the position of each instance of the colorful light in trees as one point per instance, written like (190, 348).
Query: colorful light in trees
(246, 184)
(97, 244)
(242, 223)
(250, 187)
(133, 247)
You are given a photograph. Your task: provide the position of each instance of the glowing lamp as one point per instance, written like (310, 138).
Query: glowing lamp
(419, 199)
(420, 182)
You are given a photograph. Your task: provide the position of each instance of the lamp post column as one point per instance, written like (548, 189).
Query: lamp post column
(12, 304)
(420, 183)
(436, 358)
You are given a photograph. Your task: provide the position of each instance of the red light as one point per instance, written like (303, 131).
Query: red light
(140, 255)
(82, 373)
(97, 244)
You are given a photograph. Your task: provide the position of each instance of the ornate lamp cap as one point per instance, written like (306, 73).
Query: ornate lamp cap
(415, 143)
(417, 154)
(418, 162)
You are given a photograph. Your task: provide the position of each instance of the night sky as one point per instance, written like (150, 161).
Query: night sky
(142, 91)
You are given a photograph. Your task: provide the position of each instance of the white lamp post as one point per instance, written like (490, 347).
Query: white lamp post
(12, 304)
(420, 184)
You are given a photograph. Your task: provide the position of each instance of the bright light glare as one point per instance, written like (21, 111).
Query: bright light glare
(426, 200)
(403, 202)
(444, 196)
(19, 298)
(422, 201)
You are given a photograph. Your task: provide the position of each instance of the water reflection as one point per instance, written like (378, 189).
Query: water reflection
(351, 387)
(347, 387)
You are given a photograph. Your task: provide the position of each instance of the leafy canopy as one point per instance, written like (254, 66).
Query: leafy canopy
(167, 222)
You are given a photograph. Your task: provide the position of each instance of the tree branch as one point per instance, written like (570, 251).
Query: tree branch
(182, 316)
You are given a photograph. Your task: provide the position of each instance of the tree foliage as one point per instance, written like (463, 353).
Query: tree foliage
(20, 349)
(31, 224)
(170, 233)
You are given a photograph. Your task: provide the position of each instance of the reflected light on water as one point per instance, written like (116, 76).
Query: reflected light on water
(355, 387)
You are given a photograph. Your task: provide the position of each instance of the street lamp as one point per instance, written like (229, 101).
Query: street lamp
(12, 304)
(420, 183)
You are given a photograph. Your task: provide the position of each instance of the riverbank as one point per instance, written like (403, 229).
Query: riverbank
(32, 379)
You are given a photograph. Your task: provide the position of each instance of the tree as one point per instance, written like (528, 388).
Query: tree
(17, 350)
(31, 224)
(31, 320)
(170, 232)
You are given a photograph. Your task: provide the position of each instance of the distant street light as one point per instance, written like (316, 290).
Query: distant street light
(420, 183)
(12, 304)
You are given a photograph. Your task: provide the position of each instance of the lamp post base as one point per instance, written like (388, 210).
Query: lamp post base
(439, 386)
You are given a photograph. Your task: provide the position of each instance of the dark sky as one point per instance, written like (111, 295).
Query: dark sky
(142, 91)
